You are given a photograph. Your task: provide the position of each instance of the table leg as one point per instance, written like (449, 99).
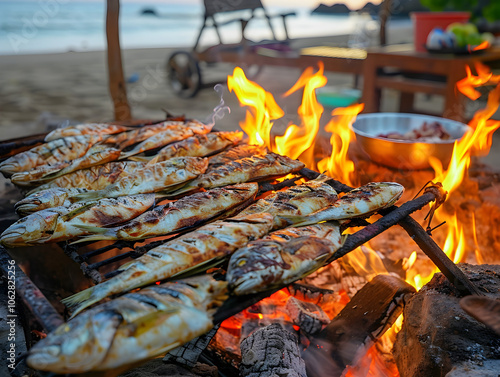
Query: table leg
(454, 105)
(371, 94)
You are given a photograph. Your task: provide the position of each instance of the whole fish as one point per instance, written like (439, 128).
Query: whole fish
(131, 328)
(201, 145)
(151, 178)
(51, 153)
(97, 155)
(296, 200)
(94, 178)
(61, 223)
(175, 133)
(360, 202)
(247, 169)
(172, 217)
(237, 153)
(49, 198)
(126, 139)
(282, 257)
(196, 249)
(85, 129)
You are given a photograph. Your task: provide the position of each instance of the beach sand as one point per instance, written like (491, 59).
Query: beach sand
(39, 91)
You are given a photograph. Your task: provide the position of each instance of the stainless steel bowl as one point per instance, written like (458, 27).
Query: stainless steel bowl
(402, 154)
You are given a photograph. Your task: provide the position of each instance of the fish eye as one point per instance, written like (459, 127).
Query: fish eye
(242, 262)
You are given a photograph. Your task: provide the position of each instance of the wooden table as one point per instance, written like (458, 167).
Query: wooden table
(449, 68)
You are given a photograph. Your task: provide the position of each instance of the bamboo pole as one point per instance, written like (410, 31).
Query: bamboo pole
(117, 87)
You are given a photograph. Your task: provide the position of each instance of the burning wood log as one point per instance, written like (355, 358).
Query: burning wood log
(189, 353)
(271, 351)
(364, 319)
(308, 316)
(438, 336)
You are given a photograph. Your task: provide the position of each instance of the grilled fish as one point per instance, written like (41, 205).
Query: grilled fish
(151, 178)
(49, 198)
(60, 223)
(174, 133)
(51, 153)
(174, 216)
(97, 155)
(282, 257)
(297, 200)
(94, 178)
(247, 169)
(199, 145)
(126, 139)
(360, 202)
(131, 328)
(237, 153)
(86, 129)
(196, 249)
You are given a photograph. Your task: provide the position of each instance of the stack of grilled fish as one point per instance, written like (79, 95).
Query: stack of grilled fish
(80, 191)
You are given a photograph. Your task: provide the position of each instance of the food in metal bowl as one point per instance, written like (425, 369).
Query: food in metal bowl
(428, 132)
(372, 132)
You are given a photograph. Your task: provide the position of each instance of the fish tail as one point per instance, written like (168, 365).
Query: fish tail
(154, 160)
(297, 220)
(80, 300)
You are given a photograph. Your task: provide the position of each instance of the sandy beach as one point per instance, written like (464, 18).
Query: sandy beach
(39, 91)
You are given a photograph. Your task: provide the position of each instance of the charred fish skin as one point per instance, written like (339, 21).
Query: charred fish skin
(94, 178)
(49, 198)
(201, 145)
(237, 153)
(360, 202)
(174, 216)
(85, 129)
(63, 223)
(248, 169)
(298, 200)
(282, 257)
(152, 178)
(169, 136)
(53, 152)
(208, 243)
(131, 328)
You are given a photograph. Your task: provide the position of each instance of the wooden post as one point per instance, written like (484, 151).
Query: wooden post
(117, 87)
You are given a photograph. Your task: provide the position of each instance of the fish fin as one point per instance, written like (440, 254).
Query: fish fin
(147, 159)
(77, 211)
(297, 220)
(154, 160)
(90, 195)
(98, 234)
(201, 267)
(171, 192)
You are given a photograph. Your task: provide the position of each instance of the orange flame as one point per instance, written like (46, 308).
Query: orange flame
(263, 108)
(338, 165)
(299, 139)
(482, 46)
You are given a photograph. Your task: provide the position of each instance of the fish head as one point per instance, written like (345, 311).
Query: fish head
(30, 229)
(394, 191)
(40, 200)
(255, 268)
(77, 346)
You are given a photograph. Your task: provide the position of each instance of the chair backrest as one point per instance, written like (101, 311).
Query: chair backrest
(222, 6)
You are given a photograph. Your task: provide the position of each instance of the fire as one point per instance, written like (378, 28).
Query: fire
(299, 139)
(338, 165)
(263, 108)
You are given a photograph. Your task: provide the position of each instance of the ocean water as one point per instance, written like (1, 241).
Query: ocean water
(42, 26)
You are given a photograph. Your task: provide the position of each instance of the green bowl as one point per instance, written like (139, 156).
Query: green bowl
(334, 97)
